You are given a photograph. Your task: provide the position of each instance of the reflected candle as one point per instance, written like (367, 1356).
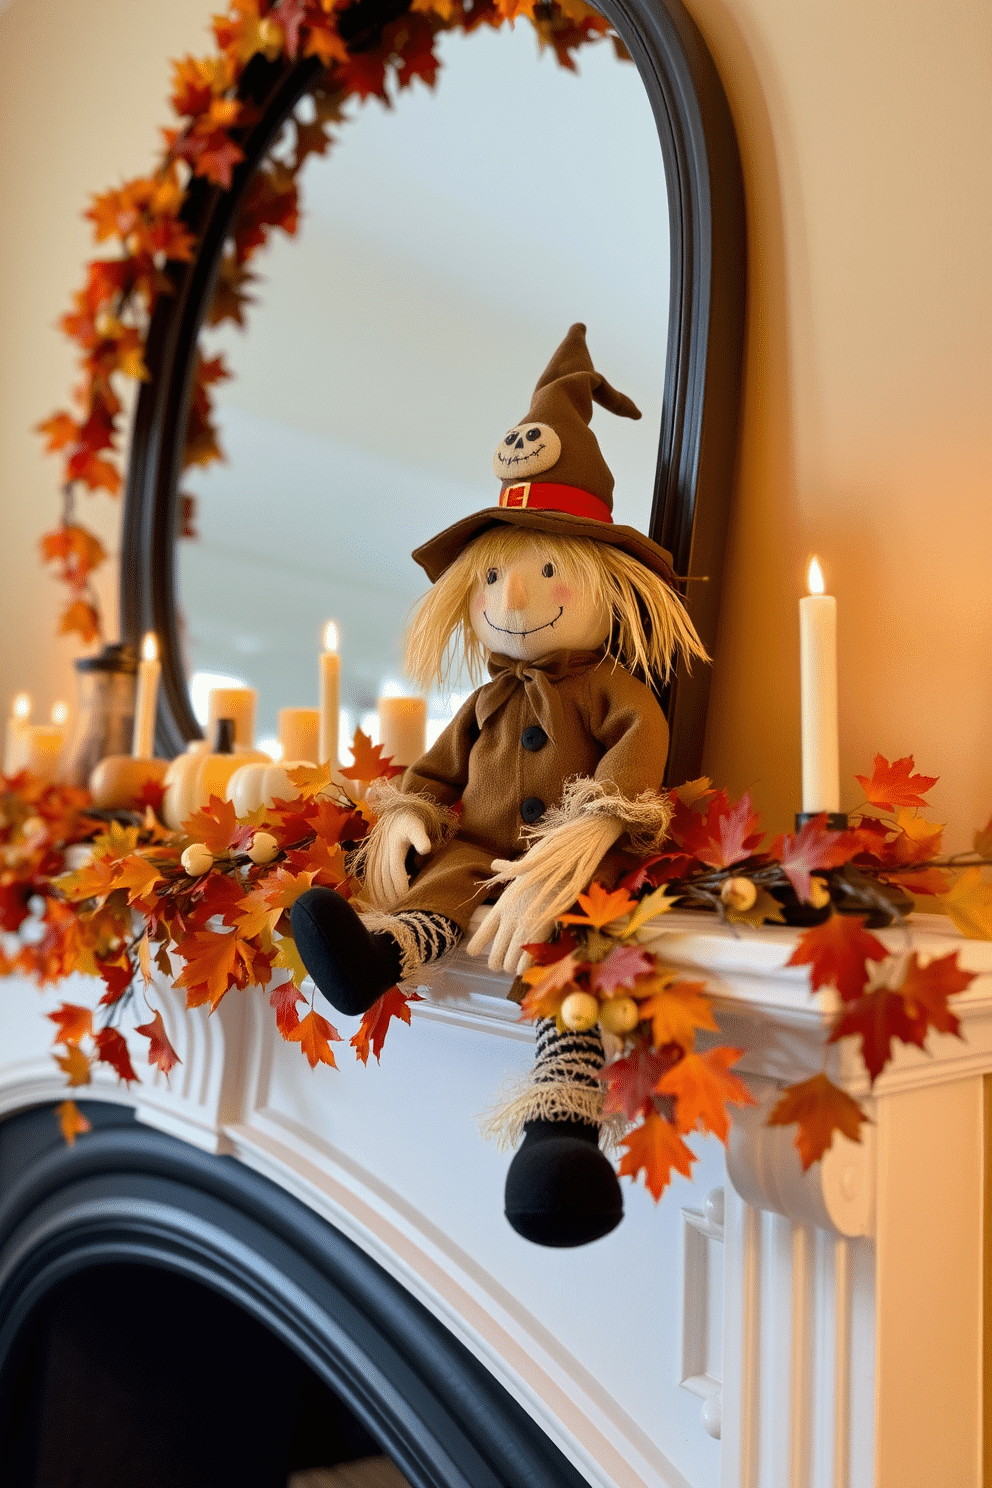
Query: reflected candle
(17, 726)
(330, 697)
(818, 677)
(146, 699)
(402, 726)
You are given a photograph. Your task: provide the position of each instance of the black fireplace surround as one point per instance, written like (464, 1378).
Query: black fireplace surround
(169, 1317)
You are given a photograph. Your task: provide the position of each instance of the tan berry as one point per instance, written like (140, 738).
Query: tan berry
(739, 894)
(619, 1015)
(580, 1011)
(819, 893)
(263, 848)
(197, 859)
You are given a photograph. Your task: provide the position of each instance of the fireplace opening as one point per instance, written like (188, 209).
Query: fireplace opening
(169, 1317)
(134, 1377)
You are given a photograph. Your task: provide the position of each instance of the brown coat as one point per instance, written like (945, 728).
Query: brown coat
(509, 752)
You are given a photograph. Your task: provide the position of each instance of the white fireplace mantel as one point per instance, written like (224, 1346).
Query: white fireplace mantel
(760, 1327)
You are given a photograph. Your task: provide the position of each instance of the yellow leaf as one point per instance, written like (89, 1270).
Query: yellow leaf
(75, 1065)
(145, 958)
(982, 840)
(288, 957)
(765, 907)
(310, 780)
(654, 904)
(694, 790)
(116, 842)
(969, 904)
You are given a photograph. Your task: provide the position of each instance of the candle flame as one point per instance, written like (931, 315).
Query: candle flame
(814, 577)
(391, 689)
(149, 647)
(330, 636)
(60, 713)
(22, 707)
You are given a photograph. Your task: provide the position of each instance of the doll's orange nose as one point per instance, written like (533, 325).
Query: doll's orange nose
(515, 592)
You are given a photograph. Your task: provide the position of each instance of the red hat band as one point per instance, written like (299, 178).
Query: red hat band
(546, 496)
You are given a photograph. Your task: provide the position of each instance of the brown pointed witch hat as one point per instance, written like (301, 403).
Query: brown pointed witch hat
(553, 477)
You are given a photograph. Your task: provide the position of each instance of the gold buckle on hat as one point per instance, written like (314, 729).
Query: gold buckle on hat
(515, 495)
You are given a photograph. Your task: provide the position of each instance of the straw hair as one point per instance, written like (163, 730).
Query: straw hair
(650, 624)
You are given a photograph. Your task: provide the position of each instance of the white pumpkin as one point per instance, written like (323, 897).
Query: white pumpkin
(257, 785)
(193, 778)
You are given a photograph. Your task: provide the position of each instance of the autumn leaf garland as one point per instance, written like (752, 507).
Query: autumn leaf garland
(131, 909)
(143, 222)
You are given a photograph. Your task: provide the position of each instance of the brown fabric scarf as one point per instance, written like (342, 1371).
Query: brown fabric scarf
(539, 679)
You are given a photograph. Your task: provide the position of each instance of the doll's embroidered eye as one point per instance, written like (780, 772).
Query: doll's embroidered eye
(548, 570)
(533, 434)
(491, 576)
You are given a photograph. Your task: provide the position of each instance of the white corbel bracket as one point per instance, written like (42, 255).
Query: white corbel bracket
(835, 1194)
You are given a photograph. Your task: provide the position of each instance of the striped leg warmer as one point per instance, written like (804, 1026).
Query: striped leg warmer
(421, 937)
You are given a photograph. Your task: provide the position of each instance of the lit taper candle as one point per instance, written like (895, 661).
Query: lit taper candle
(818, 674)
(146, 699)
(17, 726)
(330, 697)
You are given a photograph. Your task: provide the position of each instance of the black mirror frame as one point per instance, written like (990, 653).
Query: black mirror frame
(698, 443)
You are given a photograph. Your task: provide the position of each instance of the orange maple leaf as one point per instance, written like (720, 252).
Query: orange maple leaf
(284, 998)
(71, 1121)
(676, 1011)
(314, 1035)
(601, 907)
(836, 953)
(703, 1087)
(820, 1108)
(369, 763)
(372, 1034)
(160, 1051)
(214, 964)
(80, 618)
(895, 785)
(657, 1148)
(215, 825)
(74, 1022)
(547, 987)
(75, 1065)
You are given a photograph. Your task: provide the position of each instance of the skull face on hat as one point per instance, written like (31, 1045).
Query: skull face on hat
(555, 438)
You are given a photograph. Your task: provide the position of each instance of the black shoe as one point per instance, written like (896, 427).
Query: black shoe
(351, 966)
(560, 1189)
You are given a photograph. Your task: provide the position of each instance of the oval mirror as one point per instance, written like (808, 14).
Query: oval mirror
(444, 249)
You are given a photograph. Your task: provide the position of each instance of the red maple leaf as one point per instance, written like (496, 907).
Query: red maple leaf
(112, 1050)
(730, 832)
(895, 785)
(118, 976)
(372, 1034)
(284, 999)
(630, 1081)
(619, 968)
(926, 989)
(836, 953)
(877, 1018)
(545, 952)
(812, 847)
(160, 1051)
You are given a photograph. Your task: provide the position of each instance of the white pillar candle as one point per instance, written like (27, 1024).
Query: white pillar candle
(299, 734)
(330, 697)
(239, 705)
(402, 726)
(146, 699)
(17, 723)
(818, 674)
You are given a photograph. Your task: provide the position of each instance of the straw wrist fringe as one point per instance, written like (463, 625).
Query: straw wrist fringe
(645, 818)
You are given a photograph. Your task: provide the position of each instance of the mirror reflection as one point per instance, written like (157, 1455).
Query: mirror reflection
(444, 246)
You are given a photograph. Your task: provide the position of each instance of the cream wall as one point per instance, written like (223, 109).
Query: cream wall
(866, 133)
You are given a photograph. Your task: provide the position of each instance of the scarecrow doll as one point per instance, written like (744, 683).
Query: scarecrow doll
(549, 776)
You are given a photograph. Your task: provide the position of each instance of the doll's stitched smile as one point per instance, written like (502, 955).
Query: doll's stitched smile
(516, 459)
(546, 626)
